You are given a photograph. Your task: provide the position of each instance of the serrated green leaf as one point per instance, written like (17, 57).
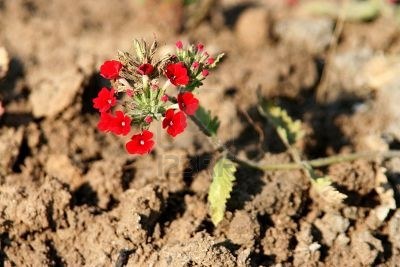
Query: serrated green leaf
(209, 123)
(289, 130)
(323, 186)
(220, 188)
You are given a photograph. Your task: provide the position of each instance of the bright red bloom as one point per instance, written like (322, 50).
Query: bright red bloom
(110, 69)
(205, 73)
(105, 122)
(179, 44)
(120, 124)
(210, 60)
(188, 103)
(145, 69)
(104, 100)
(176, 122)
(177, 74)
(140, 143)
(148, 119)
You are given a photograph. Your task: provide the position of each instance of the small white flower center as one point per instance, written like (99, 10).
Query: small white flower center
(141, 142)
(109, 101)
(123, 123)
(171, 123)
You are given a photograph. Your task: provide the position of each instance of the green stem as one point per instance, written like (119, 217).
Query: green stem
(300, 164)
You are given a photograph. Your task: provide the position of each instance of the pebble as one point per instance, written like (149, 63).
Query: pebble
(252, 28)
(314, 34)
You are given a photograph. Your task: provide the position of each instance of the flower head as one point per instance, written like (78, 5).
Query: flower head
(104, 100)
(121, 124)
(177, 74)
(210, 60)
(188, 103)
(140, 143)
(174, 122)
(110, 69)
(205, 73)
(145, 69)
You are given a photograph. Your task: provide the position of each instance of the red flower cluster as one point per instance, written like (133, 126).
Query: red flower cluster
(138, 76)
(110, 69)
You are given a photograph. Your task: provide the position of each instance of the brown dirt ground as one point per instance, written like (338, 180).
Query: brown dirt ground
(71, 196)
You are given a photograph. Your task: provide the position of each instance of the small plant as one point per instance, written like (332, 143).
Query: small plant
(137, 99)
(135, 80)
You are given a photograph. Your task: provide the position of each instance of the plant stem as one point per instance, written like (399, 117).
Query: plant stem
(300, 164)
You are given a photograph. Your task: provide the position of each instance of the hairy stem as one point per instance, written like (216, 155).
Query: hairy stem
(298, 164)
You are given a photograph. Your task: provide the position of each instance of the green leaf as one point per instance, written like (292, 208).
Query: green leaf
(220, 188)
(323, 186)
(207, 122)
(289, 130)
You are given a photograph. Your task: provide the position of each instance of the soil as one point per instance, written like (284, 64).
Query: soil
(72, 196)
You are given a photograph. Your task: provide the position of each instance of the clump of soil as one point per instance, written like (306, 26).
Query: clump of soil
(72, 196)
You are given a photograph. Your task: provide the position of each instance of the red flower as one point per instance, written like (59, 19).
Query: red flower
(105, 122)
(210, 60)
(120, 124)
(205, 73)
(188, 103)
(140, 143)
(110, 69)
(176, 122)
(177, 74)
(179, 45)
(104, 100)
(145, 69)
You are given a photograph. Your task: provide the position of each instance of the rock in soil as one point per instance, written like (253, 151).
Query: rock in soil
(53, 95)
(313, 34)
(252, 28)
